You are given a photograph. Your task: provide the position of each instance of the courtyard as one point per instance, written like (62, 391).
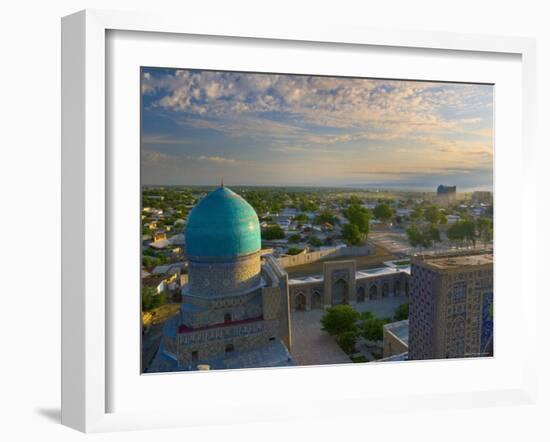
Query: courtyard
(313, 346)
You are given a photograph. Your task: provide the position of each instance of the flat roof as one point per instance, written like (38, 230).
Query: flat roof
(399, 329)
(360, 274)
(450, 262)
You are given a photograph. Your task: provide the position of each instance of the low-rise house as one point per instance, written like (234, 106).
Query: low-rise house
(160, 241)
(178, 240)
(451, 219)
(169, 269)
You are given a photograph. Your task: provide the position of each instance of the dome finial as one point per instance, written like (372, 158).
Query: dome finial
(222, 182)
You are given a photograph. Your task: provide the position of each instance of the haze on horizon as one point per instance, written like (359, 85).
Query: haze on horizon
(294, 130)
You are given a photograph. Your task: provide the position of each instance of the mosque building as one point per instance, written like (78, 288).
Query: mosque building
(237, 303)
(235, 310)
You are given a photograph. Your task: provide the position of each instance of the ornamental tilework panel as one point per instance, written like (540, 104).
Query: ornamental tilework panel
(271, 299)
(421, 313)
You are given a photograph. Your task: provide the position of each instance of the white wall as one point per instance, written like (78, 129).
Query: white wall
(30, 182)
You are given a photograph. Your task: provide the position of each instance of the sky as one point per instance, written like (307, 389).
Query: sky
(198, 127)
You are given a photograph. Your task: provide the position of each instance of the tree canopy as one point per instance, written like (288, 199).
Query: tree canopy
(373, 329)
(484, 230)
(347, 341)
(340, 319)
(301, 217)
(325, 217)
(351, 234)
(314, 241)
(463, 230)
(434, 215)
(359, 216)
(293, 251)
(423, 236)
(294, 238)
(383, 212)
(150, 299)
(401, 312)
(273, 232)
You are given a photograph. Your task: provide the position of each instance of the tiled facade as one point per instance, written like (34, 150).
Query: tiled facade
(450, 310)
(211, 276)
(214, 327)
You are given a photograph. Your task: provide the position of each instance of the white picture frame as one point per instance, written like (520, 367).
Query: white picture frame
(85, 202)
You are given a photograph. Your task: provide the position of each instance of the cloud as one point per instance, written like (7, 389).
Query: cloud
(300, 149)
(156, 157)
(325, 125)
(335, 102)
(418, 170)
(164, 139)
(218, 160)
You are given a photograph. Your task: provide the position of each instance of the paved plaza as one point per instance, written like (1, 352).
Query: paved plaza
(312, 346)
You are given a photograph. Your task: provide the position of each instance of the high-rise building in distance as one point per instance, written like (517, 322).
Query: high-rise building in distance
(446, 194)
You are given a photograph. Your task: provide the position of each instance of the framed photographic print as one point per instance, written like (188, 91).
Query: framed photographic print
(337, 226)
(281, 220)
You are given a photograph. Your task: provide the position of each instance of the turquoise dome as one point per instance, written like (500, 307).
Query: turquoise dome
(222, 224)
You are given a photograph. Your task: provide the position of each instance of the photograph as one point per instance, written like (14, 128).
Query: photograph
(295, 220)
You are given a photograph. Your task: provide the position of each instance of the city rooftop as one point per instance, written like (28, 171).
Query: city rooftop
(449, 262)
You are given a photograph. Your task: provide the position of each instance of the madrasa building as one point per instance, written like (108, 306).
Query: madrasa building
(235, 309)
(342, 283)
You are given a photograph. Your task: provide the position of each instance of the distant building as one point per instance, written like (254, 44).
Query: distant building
(405, 212)
(160, 241)
(451, 306)
(482, 197)
(446, 194)
(451, 219)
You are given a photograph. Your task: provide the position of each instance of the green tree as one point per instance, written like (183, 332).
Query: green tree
(325, 217)
(431, 214)
(295, 238)
(461, 231)
(273, 232)
(150, 299)
(401, 312)
(301, 218)
(433, 233)
(150, 261)
(366, 315)
(417, 214)
(383, 212)
(418, 238)
(484, 230)
(293, 251)
(351, 234)
(373, 329)
(314, 241)
(340, 319)
(359, 216)
(347, 341)
(423, 237)
(309, 205)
